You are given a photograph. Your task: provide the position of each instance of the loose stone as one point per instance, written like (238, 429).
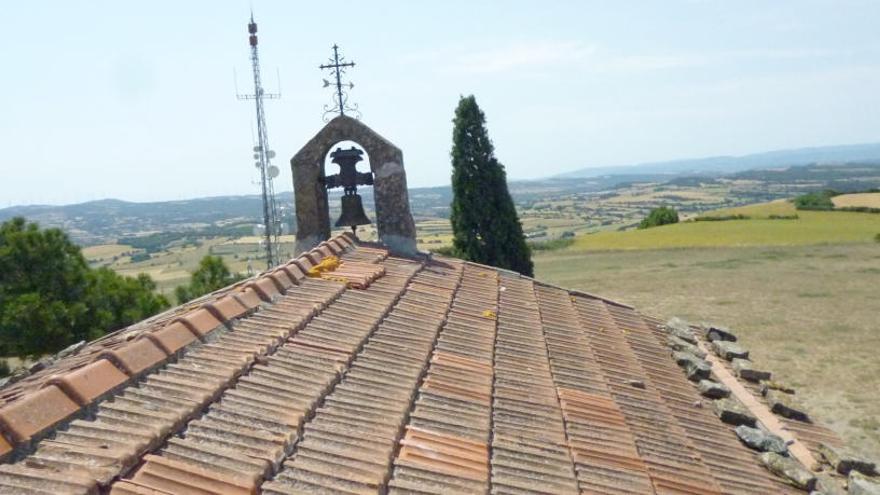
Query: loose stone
(843, 460)
(732, 412)
(759, 439)
(681, 329)
(714, 333)
(785, 406)
(729, 350)
(791, 470)
(745, 369)
(677, 344)
(767, 385)
(713, 390)
(859, 484)
(696, 368)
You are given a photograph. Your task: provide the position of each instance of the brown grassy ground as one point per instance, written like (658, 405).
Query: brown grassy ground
(808, 313)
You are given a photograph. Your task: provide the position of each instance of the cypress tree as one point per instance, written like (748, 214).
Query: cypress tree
(485, 225)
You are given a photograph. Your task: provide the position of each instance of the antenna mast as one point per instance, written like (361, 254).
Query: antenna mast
(263, 155)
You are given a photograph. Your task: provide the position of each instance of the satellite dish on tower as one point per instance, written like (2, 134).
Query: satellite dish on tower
(270, 154)
(273, 171)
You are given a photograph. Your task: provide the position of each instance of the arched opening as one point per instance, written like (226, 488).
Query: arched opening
(334, 195)
(392, 220)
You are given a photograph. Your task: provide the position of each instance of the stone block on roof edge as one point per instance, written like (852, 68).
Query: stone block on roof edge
(859, 484)
(789, 469)
(759, 439)
(768, 385)
(745, 369)
(786, 406)
(715, 332)
(696, 368)
(732, 412)
(828, 485)
(729, 350)
(680, 328)
(713, 390)
(677, 344)
(844, 460)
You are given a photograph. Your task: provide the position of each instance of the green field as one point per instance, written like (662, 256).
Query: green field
(811, 227)
(801, 294)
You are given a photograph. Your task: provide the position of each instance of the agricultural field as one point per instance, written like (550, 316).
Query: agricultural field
(810, 227)
(172, 266)
(869, 200)
(801, 294)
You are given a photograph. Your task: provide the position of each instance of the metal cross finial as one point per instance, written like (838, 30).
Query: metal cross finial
(338, 65)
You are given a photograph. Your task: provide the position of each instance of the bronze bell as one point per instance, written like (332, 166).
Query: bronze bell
(353, 213)
(349, 178)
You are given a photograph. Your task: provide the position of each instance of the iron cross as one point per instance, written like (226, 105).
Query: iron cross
(338, 67)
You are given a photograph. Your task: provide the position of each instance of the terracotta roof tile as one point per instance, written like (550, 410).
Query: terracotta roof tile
(36, 413)
(86, 384)
(173, 337)
(136, 357)
(382, 374)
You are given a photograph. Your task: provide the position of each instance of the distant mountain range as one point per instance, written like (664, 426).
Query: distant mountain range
(97, 222)
(720, 165)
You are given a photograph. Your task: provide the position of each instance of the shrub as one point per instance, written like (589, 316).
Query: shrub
(859, 209)
(659, 216)
(4, 368)
(820, 200)
(783, 217)
(552, 244)
(877, 237)
(722, 218)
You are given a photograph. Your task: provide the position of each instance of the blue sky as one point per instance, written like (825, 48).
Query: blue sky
(136, 100)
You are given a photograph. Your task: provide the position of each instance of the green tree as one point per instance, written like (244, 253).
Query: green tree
(212, 274)
(659, 216)
(50, 298)
(115, 302)
(485, 225)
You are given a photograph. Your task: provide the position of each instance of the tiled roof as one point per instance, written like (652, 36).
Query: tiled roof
(386, 374)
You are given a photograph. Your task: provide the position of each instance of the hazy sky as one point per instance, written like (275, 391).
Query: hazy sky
(136, 100)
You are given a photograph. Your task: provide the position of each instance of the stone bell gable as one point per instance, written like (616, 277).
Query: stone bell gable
(393, 217)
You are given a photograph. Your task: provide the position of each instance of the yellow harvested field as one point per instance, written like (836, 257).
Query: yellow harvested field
(870, 200)
(104, 251)
(760, 210)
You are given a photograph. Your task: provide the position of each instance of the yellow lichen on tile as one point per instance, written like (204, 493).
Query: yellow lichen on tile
(328, 264)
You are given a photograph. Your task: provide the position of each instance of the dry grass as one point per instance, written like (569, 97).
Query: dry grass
(759, 210)
(870, 200)
(104, 251)
(808, 313)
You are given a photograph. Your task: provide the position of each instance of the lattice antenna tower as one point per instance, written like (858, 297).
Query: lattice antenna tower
(263, 155)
